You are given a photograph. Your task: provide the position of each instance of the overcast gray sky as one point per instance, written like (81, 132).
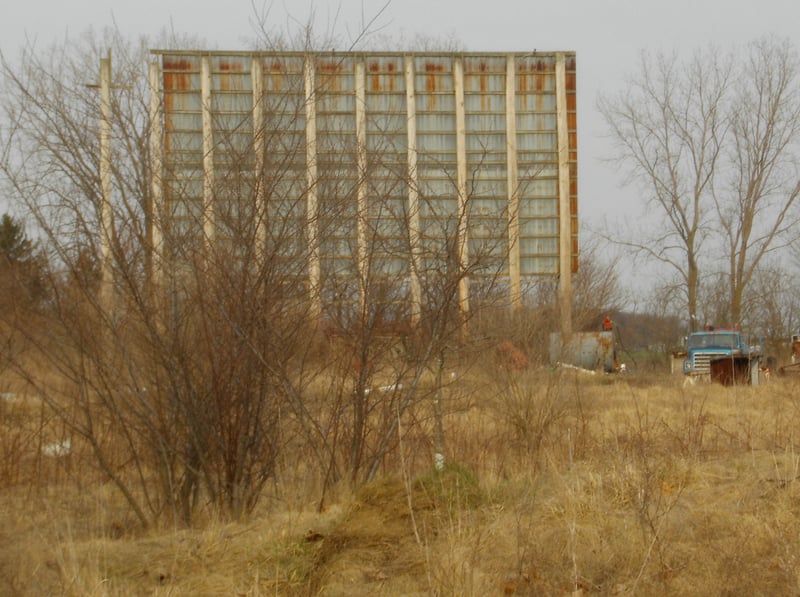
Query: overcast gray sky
(607, 36)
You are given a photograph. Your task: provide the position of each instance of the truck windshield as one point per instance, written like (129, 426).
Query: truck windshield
(713, 341)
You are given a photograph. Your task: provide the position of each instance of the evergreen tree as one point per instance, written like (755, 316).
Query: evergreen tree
(15, 247)
(22, 266)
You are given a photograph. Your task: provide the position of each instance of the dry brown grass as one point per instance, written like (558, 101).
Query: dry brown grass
(565, 483)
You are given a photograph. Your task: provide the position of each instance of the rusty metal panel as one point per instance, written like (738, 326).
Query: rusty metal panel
(572, 124)
(732, 371)
(335, 74)
(385, 75)
(593, 351)
(183, 143)
(434, 76)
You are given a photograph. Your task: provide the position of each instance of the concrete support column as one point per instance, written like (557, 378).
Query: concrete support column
(362, 209)
(564, 212)
(259, 142)
(515, 287)
(415, 288)
(209, 176)
(154, 217)
(312, 199)
(106, 214)
(461, 181)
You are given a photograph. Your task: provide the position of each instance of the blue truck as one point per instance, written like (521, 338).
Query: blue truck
(722, 355)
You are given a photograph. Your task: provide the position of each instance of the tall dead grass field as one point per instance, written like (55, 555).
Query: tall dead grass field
(556, 483)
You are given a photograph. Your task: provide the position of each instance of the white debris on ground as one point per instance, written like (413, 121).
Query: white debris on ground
(57, 448)
(576, 368)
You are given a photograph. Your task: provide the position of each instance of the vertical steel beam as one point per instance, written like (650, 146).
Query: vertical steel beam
(155, 208)
(564, 212)
(312, 200)
(415, 288)
(362, 213)
(209, 217)
(515, 286)
(462, 240)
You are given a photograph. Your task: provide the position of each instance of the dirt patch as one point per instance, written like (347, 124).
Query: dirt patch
(373, 550)
(379, 548)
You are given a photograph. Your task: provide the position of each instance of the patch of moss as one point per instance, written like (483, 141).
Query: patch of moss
(452, 487)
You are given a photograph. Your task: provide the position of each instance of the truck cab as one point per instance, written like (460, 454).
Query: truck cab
(722, 355)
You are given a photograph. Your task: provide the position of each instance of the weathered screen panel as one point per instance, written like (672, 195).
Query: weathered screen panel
(298, 136)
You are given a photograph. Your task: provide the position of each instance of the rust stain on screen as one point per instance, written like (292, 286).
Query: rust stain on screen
(275, 71)
(177, 81)
(230, 66)
(228, 82)
(382, 80)
(330, 81)
(569, 82)
(572, 121)
(392, 68)
(375, 77)
(483, 78)
(329, 67)
(177, 64)
(176, 77)
(433, 70)
(431, 82)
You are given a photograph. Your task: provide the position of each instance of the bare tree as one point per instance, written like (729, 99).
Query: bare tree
(669, 128)
(762, 174)
(774, 310)
(596, 291)
(712, 142)
(167, 389)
